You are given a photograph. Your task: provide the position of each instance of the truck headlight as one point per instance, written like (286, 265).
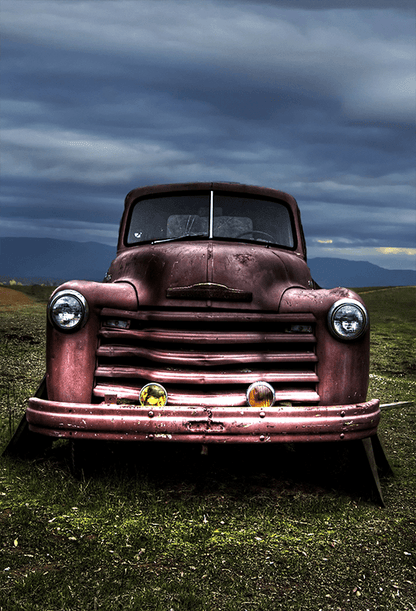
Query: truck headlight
(68, 310)
(347, 319)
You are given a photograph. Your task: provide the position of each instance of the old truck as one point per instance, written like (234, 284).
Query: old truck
(208, 328)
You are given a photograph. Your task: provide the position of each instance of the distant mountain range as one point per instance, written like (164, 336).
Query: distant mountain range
(329, 273)
(53, 261)
(37, 260)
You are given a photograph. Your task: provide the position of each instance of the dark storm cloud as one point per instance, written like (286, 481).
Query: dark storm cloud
(100, 97)
(320, 5)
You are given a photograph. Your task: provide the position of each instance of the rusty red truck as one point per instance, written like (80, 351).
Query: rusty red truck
(208, 328)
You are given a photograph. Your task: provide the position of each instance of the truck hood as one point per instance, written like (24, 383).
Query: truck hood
(210, 273)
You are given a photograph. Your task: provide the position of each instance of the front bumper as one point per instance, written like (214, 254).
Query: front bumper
(203, 425)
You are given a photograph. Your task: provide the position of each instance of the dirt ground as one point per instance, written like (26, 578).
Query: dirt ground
(10, 298)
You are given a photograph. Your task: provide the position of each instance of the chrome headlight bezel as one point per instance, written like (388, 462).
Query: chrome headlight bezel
(358, 315)
(76, 304)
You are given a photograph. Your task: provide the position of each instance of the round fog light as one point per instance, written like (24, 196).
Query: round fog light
(153, 394)
(260, 394)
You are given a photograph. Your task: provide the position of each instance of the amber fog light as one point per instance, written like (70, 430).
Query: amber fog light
(260, 394)
(154, 395)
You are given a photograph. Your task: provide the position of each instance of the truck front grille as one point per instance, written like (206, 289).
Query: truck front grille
(207, 358)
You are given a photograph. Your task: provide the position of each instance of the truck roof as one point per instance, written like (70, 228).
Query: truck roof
(235, 187)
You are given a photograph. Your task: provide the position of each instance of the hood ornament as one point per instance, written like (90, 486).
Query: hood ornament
(208, 291)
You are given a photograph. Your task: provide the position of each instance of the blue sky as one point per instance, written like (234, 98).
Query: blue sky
(316, 98)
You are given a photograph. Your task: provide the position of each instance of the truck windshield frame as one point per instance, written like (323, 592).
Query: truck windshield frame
(211, 215)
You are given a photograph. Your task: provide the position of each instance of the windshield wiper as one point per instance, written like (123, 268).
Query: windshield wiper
(178, 239)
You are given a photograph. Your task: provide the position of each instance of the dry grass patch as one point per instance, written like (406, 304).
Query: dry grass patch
(10, 299)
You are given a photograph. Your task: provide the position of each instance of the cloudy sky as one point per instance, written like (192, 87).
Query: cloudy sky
(313, 97)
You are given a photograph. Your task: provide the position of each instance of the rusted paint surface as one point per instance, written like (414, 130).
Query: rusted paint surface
(105, 421)
(343, 368)
(70, 360)
(162, 271)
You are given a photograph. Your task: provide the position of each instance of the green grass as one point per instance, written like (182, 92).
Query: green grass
(393, 339)
(164, 528)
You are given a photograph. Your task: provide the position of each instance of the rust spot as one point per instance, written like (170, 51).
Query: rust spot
(205, 426)
(243, 259)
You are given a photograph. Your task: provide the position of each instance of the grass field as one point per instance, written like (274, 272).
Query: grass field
(253, 529)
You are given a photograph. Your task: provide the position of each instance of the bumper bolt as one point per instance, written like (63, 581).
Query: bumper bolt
(151, 414)
(262, 438)
(262, 414)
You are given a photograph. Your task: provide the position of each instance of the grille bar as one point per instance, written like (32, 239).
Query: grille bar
(204, 359)
(202, 377)
(205, 337)
(169, 316)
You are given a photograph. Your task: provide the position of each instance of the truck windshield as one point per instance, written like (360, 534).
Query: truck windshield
(210, 215)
